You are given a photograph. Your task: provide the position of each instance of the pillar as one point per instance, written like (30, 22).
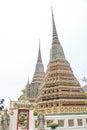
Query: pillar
(31, 120)
(13, 120)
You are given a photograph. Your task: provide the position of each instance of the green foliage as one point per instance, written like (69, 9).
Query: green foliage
(22, 118)
(53, 125)
(35, 113)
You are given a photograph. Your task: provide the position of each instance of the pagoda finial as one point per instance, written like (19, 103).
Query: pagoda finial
(55, 36)
(39, 55)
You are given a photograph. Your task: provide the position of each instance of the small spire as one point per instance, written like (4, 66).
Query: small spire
(39, 55)
(28, 81)
(55, 36)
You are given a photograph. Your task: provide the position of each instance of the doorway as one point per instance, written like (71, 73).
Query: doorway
(23, 119)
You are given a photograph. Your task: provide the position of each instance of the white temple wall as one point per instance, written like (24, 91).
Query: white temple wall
(55, 118)
(66, 118)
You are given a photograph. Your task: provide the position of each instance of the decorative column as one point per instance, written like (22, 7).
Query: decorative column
(31, 120)
(13, 120)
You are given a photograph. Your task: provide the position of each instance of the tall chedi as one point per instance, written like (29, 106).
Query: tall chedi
(38, 76)
(61, 91)
(39, 69)
(30, 91)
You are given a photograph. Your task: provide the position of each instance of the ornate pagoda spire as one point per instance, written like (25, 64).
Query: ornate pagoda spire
(39, 69)
(39, 60)
(61, 91)
(55, 36)
(39, 64)
(56, 51)
(31, 89)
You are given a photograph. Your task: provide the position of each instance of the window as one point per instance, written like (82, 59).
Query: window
(71, 122)
(60, 123)
(79, 122)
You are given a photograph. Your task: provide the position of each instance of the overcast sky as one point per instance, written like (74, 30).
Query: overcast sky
(23, 23)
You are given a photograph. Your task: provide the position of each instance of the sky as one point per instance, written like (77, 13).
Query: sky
(23, 23)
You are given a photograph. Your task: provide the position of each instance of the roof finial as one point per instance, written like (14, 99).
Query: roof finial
(39, 54)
